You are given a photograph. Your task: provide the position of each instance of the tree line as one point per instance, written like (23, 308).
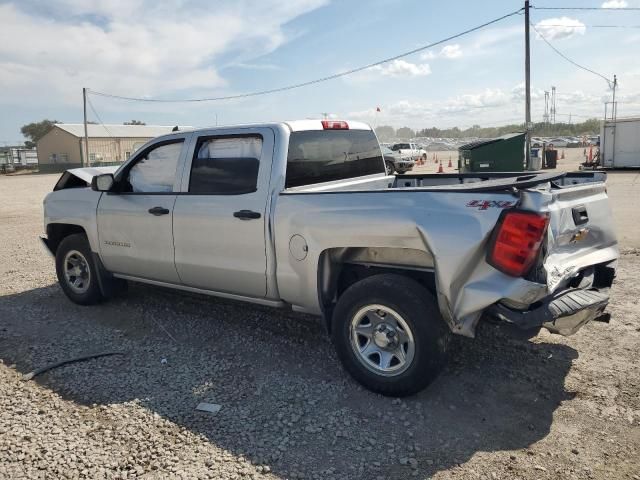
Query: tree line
(588, 127)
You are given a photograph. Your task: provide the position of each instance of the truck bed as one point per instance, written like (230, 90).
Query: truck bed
(455, 182)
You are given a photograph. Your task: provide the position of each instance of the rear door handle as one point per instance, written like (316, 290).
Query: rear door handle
(157, 211)
(246, 214)
(580, 215)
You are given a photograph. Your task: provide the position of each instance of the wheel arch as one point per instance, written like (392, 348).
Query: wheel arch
(341, 267)
(56, 232)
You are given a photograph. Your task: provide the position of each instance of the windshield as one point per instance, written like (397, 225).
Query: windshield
(317, 156)
(398, 146)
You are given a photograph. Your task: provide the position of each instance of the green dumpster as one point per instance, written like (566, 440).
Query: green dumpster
(502, 154)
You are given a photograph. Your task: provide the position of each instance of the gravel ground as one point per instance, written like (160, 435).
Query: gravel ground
(506, 407)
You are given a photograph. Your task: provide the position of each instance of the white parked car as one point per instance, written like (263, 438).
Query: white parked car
(409, 150)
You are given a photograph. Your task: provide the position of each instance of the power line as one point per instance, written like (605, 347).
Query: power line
(589, 26)
(589, 8)
(569, 60)
(318, 80)
(99, 119)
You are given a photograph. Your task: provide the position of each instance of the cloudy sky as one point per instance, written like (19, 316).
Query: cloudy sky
(173, 49)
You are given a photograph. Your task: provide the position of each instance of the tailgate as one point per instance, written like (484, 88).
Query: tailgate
(581, 232)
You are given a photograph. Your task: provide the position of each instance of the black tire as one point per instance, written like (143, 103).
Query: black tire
(419, 310)
(390, 167)
(91, 293)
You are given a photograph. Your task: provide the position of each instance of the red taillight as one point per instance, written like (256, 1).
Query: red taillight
(516, 241)
(335, 125)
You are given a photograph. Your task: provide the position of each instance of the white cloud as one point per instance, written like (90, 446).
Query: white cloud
(414, 112)
(496, 106)
(562, 27)
(402, 68)
(133, 47)
(448, 51)
(490, 97)
(615, 4)
(489, 41)
(451, 51)
(518, 93)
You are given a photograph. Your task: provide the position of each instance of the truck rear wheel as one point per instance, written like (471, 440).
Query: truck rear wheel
(76, 270)
(389, 334)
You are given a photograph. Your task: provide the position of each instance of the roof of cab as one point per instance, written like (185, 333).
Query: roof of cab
(300, 125)
(294, 126)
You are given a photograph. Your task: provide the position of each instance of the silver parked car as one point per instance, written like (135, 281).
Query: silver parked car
(396, 162)
(302, 215)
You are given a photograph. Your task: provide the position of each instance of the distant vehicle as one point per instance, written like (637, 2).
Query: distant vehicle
(559, 142)
(439, 147)
(7, 168)
(396, 162)
(409, 150)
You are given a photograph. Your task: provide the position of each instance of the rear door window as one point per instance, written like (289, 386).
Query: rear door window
(226, 165)
(317, 156)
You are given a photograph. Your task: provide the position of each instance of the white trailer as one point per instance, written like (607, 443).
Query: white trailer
(620, 143)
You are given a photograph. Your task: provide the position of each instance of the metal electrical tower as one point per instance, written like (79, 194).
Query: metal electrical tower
(545, 117)
(553, 105)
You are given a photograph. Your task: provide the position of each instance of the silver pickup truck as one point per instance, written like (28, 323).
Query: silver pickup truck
(301, 215)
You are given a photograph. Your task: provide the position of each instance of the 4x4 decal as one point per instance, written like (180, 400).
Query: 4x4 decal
(485, 204)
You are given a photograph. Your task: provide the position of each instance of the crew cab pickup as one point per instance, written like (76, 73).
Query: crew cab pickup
(410, 151)
(302, 215)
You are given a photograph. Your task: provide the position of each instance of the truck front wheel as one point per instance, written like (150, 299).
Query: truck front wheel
(76, 270)
(389, 334)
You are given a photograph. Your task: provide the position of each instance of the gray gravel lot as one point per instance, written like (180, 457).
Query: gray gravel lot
(506, 407)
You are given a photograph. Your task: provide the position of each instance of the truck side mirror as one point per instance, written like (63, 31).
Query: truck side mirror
(102, 183)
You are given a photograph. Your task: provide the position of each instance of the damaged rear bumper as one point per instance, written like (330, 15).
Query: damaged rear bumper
(563, 313)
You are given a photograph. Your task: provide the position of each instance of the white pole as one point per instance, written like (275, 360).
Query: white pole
(86, 136)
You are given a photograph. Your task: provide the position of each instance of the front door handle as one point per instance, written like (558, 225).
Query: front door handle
(158, 211)
(246, 214)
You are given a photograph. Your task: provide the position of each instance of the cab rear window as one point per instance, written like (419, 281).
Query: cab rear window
(317, 156)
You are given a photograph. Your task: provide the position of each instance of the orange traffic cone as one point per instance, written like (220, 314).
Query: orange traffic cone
(450, 162)
(440, 170)
(590, 153)
(562, 156)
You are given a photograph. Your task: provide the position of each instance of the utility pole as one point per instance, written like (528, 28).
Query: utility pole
(553, 105)
(527, 86)
(86, 136)
(614, 108)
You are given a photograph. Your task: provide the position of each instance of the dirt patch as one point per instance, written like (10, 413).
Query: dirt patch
(506, 407)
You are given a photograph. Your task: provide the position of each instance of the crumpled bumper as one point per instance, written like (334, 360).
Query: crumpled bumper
(563, 313)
